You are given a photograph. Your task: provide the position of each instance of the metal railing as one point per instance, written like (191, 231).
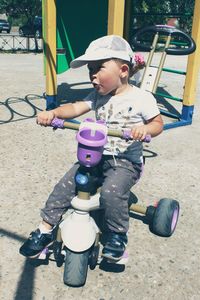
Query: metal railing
(13, 42)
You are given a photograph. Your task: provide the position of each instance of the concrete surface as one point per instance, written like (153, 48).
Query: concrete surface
(34, 158)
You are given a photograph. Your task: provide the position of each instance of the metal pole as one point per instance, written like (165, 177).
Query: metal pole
(160, 67)
(50, 52)
(116, 17)
(138, 208)
(193, 68)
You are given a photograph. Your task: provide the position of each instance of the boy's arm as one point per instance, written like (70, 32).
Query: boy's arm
(66, 111)
(153, 127)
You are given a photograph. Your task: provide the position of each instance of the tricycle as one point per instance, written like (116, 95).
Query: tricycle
(78, 236)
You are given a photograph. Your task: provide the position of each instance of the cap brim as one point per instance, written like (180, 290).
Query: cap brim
(84, 59)
(100, 54)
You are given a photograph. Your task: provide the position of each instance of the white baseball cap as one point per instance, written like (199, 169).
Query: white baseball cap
(110, 46)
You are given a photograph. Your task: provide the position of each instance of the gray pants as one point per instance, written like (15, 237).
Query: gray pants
(118, 178)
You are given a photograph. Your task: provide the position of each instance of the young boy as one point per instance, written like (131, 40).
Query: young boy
(110, 62)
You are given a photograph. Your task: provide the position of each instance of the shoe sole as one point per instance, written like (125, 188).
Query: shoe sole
(111, 258)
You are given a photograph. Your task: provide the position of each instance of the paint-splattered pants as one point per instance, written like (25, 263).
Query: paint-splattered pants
(118, 178)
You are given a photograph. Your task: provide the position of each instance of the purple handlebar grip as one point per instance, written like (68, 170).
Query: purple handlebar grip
(57, 123)
(126, 134)
(147, 138)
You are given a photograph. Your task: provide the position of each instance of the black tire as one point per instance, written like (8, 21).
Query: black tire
(76, 267)
(165, 217)
(94, 255)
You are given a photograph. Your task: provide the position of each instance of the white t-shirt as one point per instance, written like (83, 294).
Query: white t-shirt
(125, 110)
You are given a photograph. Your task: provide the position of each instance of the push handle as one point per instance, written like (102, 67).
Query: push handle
(123, 134)
(166, 30)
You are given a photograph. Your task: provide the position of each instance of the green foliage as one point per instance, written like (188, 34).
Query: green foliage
(21, 11)
(152, 12)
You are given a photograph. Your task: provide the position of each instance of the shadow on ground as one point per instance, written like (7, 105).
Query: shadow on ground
(17, 109)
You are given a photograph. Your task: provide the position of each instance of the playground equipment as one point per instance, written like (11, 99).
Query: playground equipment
(152, 74)
(66, 38)
(78, 238)
(115, 12)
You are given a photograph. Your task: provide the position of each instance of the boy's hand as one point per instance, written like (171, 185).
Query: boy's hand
(45, 118)
(139, 133)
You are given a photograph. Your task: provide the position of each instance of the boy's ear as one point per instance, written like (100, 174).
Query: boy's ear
(124, 70)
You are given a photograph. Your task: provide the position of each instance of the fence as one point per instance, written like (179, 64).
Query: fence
(9, 42)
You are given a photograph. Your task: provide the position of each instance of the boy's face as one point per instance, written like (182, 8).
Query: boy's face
(105, 76)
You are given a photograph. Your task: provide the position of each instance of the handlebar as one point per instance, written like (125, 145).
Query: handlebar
(123, 134)
(166, 30)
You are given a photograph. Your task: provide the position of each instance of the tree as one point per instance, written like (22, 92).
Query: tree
(152, 12)
(21, 8)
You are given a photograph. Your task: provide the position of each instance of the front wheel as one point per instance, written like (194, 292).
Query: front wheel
(76, 267)
(165, 217)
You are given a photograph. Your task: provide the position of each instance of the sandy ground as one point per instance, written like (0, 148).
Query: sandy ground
(34, 158)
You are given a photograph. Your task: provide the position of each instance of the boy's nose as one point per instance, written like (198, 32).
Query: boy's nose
(92, 75)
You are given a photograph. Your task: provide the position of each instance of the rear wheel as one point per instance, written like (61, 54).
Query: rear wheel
(76, 267)
(94, 255)
(165, 217)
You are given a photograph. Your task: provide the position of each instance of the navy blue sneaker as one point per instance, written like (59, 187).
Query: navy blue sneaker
(115, 246)
(36, 242)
